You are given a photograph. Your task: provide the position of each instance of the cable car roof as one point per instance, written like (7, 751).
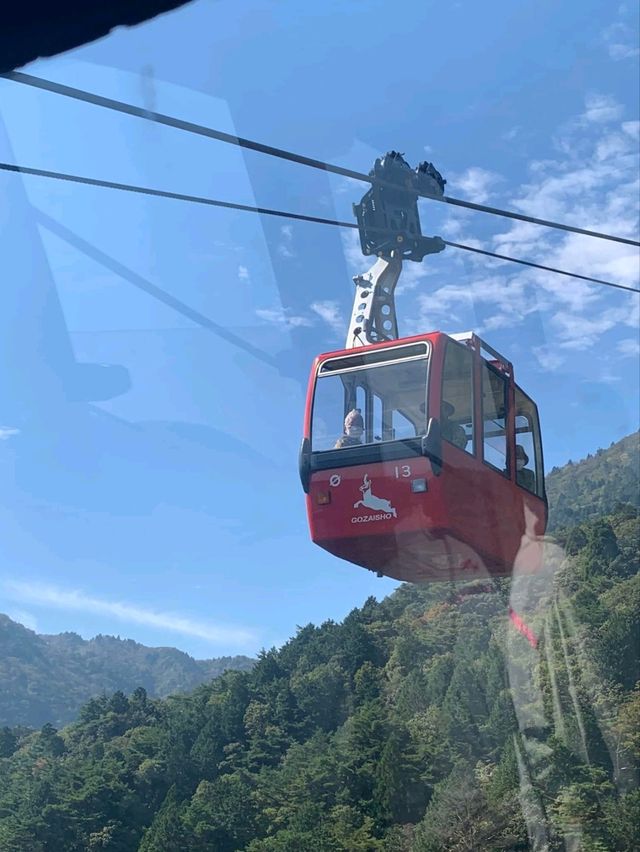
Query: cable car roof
(477, 343)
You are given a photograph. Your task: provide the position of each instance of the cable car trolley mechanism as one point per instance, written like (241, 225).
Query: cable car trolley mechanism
(421, 458)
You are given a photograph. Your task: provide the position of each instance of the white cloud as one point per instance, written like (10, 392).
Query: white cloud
(632, 128)
(594, 185)
(611, 146)
(356, 262)
(621, 40)
(451, 228)
(578, 331)
(629, 347)
(7, 432)
(475, 184)
(521, 237)
(330, 312)
(547, 358)
(509, 297)
(282, 316)
(592, 182)
(78, 601)
(607, 377)
(243, 273)
(623, 51)
(413, 275)
(511, 133)
(601, 109)
(285, 247)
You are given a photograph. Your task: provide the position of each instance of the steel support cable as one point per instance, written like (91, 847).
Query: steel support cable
(229, 138)
(164, 193)
(541, 266)
(212, 202)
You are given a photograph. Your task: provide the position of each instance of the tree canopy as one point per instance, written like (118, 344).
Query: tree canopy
(492, 715)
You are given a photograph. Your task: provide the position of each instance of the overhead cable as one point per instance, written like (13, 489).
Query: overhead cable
(540, 266)
(163, 193)
(221, 136)
(212, 202)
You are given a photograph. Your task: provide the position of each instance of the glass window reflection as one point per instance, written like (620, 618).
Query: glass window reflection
(370, 405)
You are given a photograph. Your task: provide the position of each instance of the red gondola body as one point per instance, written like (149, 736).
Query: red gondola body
(432, 492)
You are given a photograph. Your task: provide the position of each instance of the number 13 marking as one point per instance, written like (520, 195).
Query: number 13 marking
(403, 471)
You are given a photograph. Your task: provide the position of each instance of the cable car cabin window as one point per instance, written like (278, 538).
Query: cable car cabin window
(378, 426)
(529, 472)
(494, 411)
(456, 407)
(402, 427)
(369, 404)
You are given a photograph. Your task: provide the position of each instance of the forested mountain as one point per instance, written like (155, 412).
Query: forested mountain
(595, 485)
(48, 678)
(487, 717)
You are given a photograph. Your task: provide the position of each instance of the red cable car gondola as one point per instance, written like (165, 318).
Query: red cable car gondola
(431, 489)
(421, 457)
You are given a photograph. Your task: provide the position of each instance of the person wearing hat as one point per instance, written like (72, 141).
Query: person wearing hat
(353, 429)
(524, 476)
(451, 431)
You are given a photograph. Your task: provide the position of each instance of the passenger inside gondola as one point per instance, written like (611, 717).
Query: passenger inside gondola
(524, 476)
(451, 431)
(353, 429)
(376, 401)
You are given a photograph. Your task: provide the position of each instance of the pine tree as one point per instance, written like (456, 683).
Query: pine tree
(167, 833)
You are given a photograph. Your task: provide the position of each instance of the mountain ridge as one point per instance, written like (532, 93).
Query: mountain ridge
(594, 486)
(33, 666)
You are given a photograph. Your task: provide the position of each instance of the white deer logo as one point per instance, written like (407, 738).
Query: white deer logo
(370, 501)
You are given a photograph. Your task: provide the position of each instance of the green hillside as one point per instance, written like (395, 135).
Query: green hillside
(429, 721)
(48, 678)
(596, 485)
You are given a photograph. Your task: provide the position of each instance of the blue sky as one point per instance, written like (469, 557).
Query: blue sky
(172, 513)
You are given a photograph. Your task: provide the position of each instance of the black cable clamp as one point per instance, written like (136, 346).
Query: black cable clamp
(388, 217)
